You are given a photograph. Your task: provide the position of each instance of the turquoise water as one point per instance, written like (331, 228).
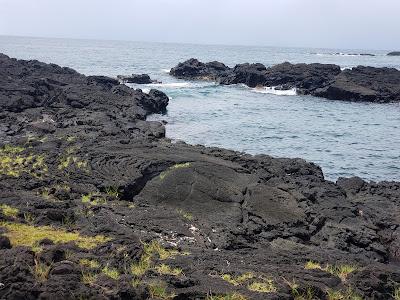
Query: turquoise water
(344, 138)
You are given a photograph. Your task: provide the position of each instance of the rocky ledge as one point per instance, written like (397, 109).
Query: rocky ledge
(96, 204)
(137, 78)
(321, 80)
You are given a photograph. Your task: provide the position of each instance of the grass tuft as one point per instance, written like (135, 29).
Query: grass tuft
(158, 290)
(28, 235)
(396, 293)
(111, 272)
(186, 215)
(266, 286)
(9, 211)
(348, 294)
(112, 191)
(164, 269)
(90, 263)
(341, 271)
(89, 278)
(239, 279)
(40, 271)
(234, 296)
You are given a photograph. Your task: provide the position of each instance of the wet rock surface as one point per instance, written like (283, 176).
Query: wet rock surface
(95, 203)
(321, 80)
(136, 78)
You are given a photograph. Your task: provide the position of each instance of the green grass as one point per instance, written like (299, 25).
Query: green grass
(396, 293)
(234, 296)
(9, 211)
(238, 280)
(348, 294)
(186, 215)
(28, 235)
(112, 191)
(40, 271)
(341, 271)
(158, 290)
(111, 272)
(15, 160)
(266, 286)
(93, 199)
(90, 263)
(164, 269)
(89, 278)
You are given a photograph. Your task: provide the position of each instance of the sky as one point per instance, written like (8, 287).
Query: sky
(344, 24)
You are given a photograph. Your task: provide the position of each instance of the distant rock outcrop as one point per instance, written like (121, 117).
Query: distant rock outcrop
(394, 53)
(136, 78)
(322, 80)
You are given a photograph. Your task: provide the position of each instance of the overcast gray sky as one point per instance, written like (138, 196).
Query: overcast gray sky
(363, 24)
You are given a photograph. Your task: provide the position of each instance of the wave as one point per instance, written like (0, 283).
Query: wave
(343, 54)
(171, 85)
(273, 90)
(346, 68)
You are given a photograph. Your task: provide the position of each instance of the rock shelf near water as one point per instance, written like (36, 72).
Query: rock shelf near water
(321, 80)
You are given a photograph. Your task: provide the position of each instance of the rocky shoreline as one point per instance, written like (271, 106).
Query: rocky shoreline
(321, 80)
(95, 203)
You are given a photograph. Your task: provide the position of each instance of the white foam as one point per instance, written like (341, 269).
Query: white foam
(346, 68)
(171, 85)
(145, 90)
(166, 70)
(274, 91)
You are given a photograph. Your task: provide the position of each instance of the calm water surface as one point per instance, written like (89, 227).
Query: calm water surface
(344, 138)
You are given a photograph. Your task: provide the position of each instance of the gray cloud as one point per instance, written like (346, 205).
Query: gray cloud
(309, 23)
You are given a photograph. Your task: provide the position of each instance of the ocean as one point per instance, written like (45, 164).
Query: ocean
(344, 138)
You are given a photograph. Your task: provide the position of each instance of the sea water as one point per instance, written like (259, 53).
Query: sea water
(344, 138)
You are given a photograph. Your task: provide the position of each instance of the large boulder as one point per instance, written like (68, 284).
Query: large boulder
(136, 78)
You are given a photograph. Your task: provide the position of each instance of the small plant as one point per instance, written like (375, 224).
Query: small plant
(158, 290)
(311, 265)
(90, 263)
(112, 191)
(396, 293)
(348, 294)
(9, 211)
(40, 271)
(93, 199)
(266, 286)
(234, 296)
(300, 294)
(140, 268)
(239, 279)
(164, 269)
(89, 278)
(111, 272)
(185, 215)
(29, 218)
(341, 271)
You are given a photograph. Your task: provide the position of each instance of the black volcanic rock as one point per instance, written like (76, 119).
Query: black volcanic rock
(364, 84)
(136, 78)
(103, 169)
(322, 80)
(394, 53)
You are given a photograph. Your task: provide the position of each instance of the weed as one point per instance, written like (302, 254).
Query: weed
(90, 263)
(311, 265)
(29, 218)
(266, 286)
(112, 191)
(88, 277)
(40, 270)
(300, 294)
(239, 279)
(234, 296)
(28, 235)
(158, 290)
(93, 199)
(341, 271)
(140, 268)
(164, 269)
(136, 282)
(396, 293)
(348, 294)
(186, 215)
(9, 211)
(111, 272)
